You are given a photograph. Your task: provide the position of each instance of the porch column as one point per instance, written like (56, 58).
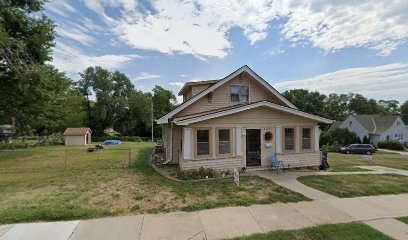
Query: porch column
(278, 139)
(238, 135)
(298, 139)
(316, 137)
(187, 143)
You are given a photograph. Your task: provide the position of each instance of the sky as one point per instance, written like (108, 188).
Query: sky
(337, 46)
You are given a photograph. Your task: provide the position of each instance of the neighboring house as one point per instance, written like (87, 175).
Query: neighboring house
(375, 127)
(77, 136)
(238, 121)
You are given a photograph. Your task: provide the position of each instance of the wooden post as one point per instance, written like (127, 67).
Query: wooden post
(152, 123)
(130, 157)
(66, 156)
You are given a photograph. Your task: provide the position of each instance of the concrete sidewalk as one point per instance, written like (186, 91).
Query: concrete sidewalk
(222, 222)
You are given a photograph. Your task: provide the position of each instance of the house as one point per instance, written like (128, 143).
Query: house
(238, 121)
(375, 127)
(77, 136)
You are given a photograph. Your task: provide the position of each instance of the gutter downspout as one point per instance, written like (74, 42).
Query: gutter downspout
(171, 145)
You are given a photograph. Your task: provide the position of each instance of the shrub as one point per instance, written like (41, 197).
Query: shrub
(194, 174)
(335, 147)
(366, 140)
(392, 145)
(340, 135)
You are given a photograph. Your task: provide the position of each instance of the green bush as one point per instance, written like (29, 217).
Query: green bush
(335, 147)
(340, 135)
(391, 145)
(366, 140)
(194, 174)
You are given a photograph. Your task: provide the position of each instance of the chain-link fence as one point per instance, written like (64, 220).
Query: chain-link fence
(40, 159)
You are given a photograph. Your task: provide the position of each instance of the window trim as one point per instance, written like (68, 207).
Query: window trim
(311, 139)
(217, 140)
(196, 156)
(249, 93)
(294, 139)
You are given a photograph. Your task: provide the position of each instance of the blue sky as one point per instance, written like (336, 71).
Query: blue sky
(329, 46)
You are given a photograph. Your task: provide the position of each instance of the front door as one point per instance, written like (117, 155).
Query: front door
(253, 147)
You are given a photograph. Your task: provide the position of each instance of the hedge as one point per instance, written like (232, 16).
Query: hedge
(391, 145)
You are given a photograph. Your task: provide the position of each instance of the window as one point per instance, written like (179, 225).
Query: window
(224, 141)
(289, 139)
(398, 123)
(239, 93)
(306, 143)
(350, 123)
(203, 142)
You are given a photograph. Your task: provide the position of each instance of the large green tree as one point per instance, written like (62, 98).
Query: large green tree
(404, 112)
(37, 96)
(305, 100)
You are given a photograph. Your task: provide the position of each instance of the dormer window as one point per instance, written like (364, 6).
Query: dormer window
(239, 93)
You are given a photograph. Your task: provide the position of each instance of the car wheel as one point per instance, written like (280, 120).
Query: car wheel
(347, 152)
(368, 153)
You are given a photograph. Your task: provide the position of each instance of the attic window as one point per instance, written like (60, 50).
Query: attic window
(350, 123)
(239, 93)
(398, 123)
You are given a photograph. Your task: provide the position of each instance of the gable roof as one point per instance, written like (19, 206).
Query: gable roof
(76, 131)
(198, 117)
(218, 84)
(374, 124)
(336, 124)
(189, 84)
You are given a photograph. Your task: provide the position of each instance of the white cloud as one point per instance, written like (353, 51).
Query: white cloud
(70, 59)
(75, 34)
(201, 27)
(60, 7)
(380, 82)
(335, 25)
(146, 75)
(275, 51)
(177, 84)
(183, 75)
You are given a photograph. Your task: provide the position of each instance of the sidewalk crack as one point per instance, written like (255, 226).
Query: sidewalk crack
(249, 211)
(141, 227)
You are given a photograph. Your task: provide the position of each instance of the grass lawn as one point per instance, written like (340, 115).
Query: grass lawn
(358, 185)
(343, 231)
(34, 186)
(347, 162)
(403, 219)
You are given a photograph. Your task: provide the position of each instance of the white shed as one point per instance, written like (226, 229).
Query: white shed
(77, 136)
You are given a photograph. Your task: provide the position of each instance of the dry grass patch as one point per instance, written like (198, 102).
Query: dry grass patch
(96, 185)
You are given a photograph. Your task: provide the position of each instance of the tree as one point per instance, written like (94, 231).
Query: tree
(335, 107)
(304, 100)
(26, 38)
(163, 102)
(404, 112)
(341, 136)
(389, 106)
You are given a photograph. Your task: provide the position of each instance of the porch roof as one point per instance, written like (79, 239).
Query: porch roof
(198, 117)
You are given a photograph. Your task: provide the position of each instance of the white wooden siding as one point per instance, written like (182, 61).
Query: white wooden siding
(221, 96)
